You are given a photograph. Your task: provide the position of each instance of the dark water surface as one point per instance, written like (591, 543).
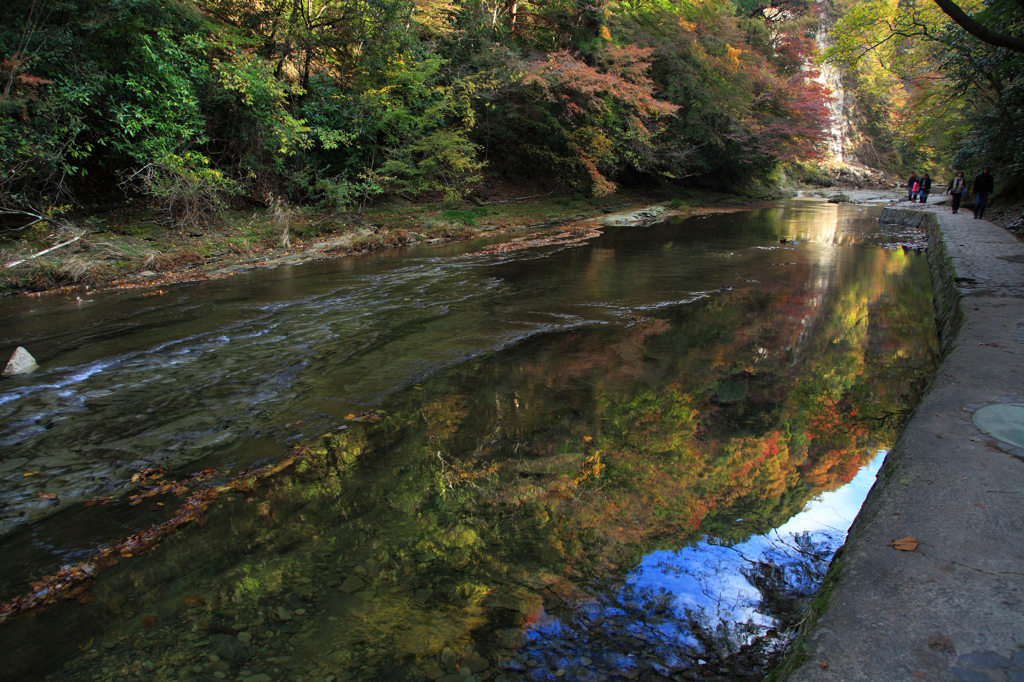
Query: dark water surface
(630, 458)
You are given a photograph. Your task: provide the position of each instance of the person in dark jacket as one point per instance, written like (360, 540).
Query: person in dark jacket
(983, 186)
(956, 189)
(926, 188)
(911, 181)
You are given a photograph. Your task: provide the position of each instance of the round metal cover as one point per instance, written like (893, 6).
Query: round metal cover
(1004, 422)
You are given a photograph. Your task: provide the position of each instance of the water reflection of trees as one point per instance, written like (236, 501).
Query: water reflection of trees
(495, 491)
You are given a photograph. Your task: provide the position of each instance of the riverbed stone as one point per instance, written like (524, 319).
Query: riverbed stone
(12, 464)
(229, 647)
(352, 584)
(21, 362)
(283, 614)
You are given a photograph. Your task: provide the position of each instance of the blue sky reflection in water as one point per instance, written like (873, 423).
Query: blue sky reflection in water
(552, 415)
(705, 599)
(709, 582)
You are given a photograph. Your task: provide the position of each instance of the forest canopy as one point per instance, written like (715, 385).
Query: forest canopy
(337, 101)
(198, 103)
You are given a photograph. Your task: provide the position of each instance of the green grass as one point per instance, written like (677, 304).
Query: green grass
(466, 216)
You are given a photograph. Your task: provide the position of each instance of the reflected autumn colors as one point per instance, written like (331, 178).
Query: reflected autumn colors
(635, 482)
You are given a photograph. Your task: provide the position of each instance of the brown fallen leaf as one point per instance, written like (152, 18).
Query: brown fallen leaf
(193, 602)
(907, 544)
(980, 506)
(47, 496)
(823, 665)
(84, 598)
(107, 561)
(78, 590)
(149, 621)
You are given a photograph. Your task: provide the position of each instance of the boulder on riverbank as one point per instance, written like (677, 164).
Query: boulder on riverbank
(21, 362)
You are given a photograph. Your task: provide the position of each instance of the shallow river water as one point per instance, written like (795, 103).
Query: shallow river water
(625, 456)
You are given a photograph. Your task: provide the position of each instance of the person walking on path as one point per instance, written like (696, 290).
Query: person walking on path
(956, 189)
(911, 181)
(926, 188)
(983, 186)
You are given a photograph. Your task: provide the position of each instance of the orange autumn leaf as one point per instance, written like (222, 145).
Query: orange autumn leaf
(907, 544)
(149, 621)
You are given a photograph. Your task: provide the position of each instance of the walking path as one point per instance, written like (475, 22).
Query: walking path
(953, 608)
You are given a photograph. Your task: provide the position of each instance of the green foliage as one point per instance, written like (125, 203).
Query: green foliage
(465, 217)
(186, 186)
(335, 102)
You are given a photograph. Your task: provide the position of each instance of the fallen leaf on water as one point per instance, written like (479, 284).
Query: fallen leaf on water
(87, 645)
(30, 473)
(193, 602)
(79, 590)
(149, 621)
(84, 598)
(981, 506)
(350, 416)
(907, 544)
(108, 561)
(126, 553)
(922, 675)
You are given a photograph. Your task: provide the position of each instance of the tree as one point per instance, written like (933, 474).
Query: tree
(1004, 13)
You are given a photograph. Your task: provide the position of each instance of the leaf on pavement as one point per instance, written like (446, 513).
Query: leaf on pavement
(907, 544)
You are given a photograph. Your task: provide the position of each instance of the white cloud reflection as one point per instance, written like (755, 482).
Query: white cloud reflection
(709, 582)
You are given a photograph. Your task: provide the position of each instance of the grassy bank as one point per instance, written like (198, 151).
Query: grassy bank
(132, 246)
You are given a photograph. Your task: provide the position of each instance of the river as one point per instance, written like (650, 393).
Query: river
(626, 454)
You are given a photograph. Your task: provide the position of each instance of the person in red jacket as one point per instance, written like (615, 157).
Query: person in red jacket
(911, 181)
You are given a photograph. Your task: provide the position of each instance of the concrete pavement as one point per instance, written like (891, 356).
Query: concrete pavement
(953, 608)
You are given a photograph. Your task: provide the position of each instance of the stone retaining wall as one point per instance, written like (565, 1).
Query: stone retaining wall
(949, 314)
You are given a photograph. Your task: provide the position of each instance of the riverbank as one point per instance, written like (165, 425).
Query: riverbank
(134, 247)
(929, 583)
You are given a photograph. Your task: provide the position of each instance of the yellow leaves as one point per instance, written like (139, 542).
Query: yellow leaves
(688, 26)
(605, 33)
(733, 56)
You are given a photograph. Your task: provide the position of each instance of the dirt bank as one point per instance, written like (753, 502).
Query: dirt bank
(133, 247)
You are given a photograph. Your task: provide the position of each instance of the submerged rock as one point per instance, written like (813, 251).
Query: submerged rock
(21, 362)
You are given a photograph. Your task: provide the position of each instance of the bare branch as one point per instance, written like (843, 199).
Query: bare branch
(979, 30)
